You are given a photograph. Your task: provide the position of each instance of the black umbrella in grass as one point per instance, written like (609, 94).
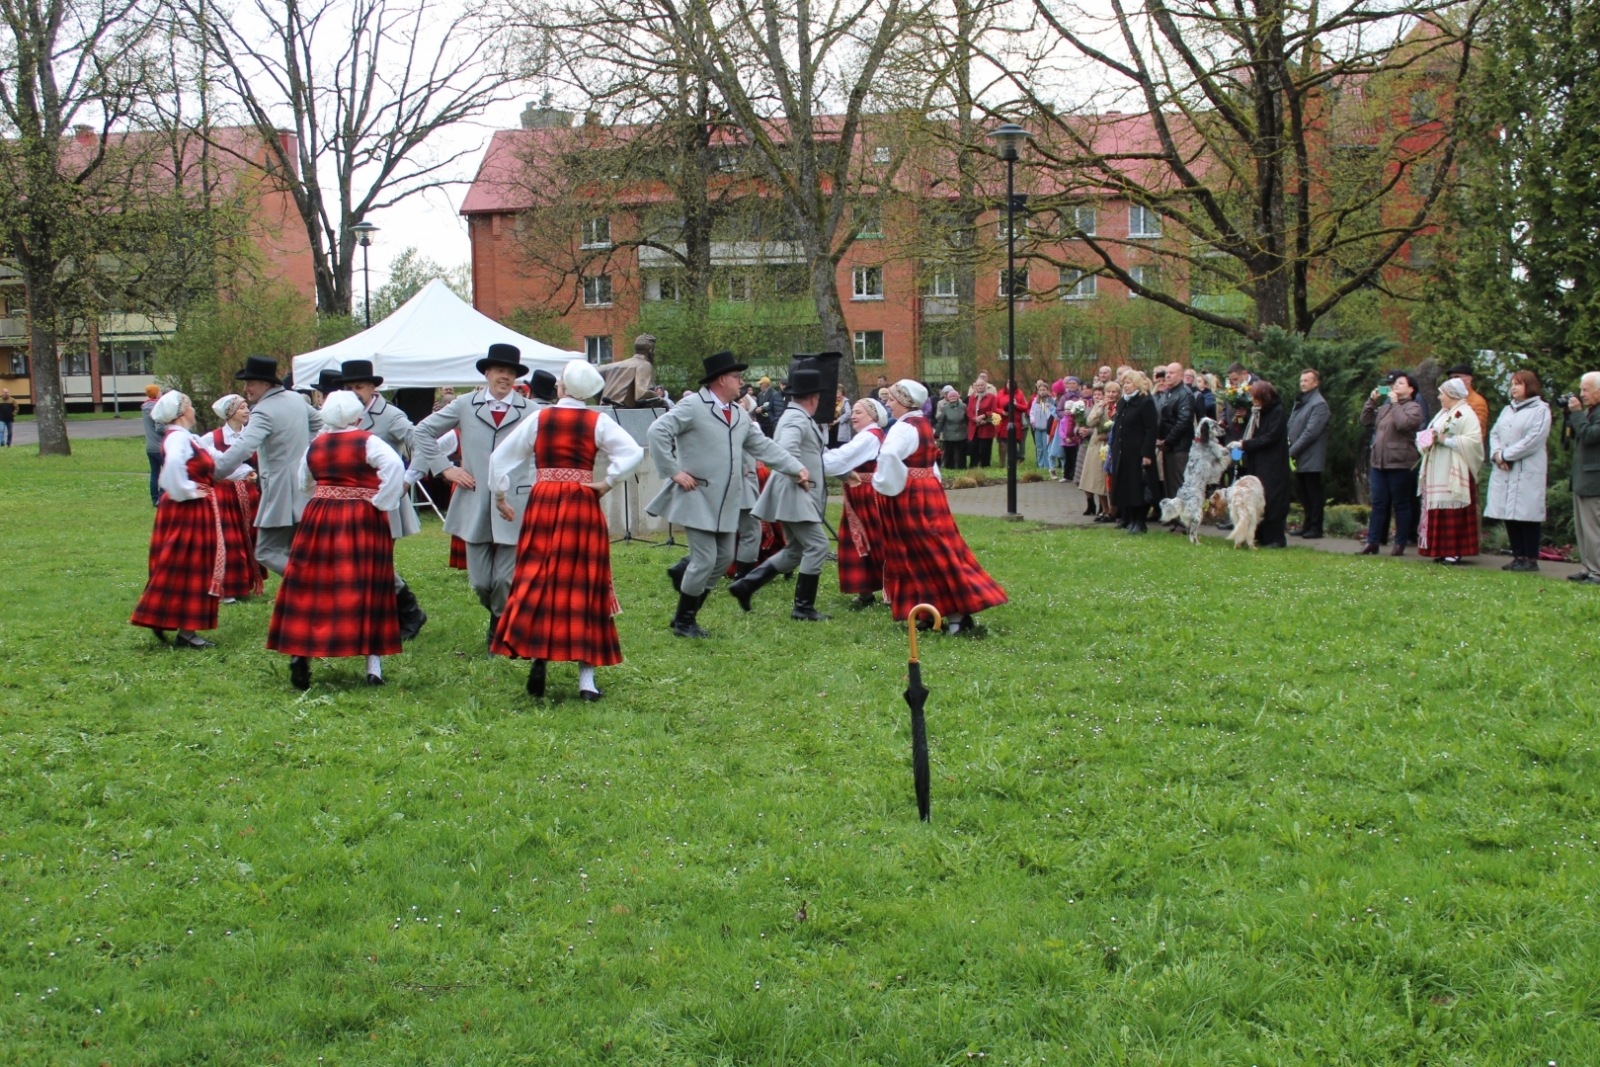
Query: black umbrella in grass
(917, 696)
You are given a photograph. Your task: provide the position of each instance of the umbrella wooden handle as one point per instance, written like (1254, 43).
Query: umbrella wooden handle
(911, 624)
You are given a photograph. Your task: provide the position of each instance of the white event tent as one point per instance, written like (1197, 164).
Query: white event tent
(432, 340)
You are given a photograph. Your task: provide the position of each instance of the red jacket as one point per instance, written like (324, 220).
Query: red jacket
(1019, 421)
(979, 428)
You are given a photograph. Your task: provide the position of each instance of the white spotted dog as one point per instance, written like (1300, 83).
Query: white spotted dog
(1208, 460)
(1246, 501)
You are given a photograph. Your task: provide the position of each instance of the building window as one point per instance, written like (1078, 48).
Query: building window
(1146, 343)
(598, 349)
(1077, 285)
(1149, 277)
(943, 284)
(1020, 287)
(75, 364)
(1143, 221)
(869, 346)
(790, 282)
(1085, 219)
(127, 359)
(597, 232)
(18, 362)
(1079, 344)
(1424, 108)
(1024, 348)
(661, 287)
(870, 221)
(1024, 223)
(738, 287)
(882, 154)
(868, 283)
(597, 291)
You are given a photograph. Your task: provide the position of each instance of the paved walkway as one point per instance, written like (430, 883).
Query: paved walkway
(1062, 504)
(27, 433)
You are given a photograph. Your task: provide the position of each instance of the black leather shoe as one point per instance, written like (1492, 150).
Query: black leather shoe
(683, 623)
(536, 679)
(300, 672)
(805, 599)
(1224, 526)
(1137, 527)
(590, 695)
(746, 587)
(675, 573)
(863, 601)
(1369, 550)
(193, 641)
(375, 679)
(1312, 533)
(742, 567)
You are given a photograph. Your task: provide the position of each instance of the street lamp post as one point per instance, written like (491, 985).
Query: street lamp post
(364, 231)
(1008, 139)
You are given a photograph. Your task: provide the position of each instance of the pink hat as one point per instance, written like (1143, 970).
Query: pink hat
(1059, 387)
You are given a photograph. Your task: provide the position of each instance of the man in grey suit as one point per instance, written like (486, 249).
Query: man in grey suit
(281, 425)
(699, 448)
(483, 419)
(1308, 448)
(800, 507)
(391, 426)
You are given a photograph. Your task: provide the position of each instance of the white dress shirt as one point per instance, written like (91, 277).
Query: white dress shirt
(381, 458)
(862, 448)
(901, 440)
(623, 453)
(177, 447)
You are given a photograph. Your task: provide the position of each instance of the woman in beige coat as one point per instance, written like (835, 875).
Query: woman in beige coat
(1093, 480)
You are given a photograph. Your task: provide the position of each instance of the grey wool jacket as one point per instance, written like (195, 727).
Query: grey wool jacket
(280, 429)
(783, 500)
(473, 516)
(694, 438)
(1308, 432)
(391, 426)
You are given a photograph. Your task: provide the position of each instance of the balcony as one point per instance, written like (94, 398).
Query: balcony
(731, 254)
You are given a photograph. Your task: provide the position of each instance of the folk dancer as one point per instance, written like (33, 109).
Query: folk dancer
(562, 599)
(188, 553)
(483, 420)
(238, 501)
(391, 425)
(799, 506)
(925, 558)
(281, 426)
(861, 531)
(754, 534)
(337, 595)
(699, 448)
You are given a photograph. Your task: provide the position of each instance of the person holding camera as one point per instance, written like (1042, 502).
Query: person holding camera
(1394, 416)
(1583, 423)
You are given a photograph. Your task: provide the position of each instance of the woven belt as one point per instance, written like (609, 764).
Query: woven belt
(219, 559)
(343, 492)
(564, 474)
(920, 472)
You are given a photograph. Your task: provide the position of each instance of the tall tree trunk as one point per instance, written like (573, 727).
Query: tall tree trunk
(49, 401)
(830, 313)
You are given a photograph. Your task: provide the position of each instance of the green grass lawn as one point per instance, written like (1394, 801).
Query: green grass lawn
(1191, 806)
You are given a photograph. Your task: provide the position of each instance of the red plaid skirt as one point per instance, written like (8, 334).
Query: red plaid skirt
(861, 572)
(242, 574)
(183, 589)
(925, 558)
(337, 594)
(562, 601)
(1450, 531)
(458, 553)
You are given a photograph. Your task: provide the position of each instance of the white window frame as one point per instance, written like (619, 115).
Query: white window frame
(860, 342)
(1022, 273)
(1079, 285)
(597, 291)
(597, 346)
(739, 289)
(882, 154)
(946, 285)
(1093, 215)
(866, 283)
(592, 237)
(1140, 275)
(1140, 219)
(1023, 231)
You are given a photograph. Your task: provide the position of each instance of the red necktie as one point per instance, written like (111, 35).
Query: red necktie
(727, 416)
(498, 416)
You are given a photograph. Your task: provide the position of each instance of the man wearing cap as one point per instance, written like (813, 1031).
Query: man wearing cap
(1462, 372)
(391, 426)
(631, 382)
(482, 421)
(799, 507)
(281, 426)
(699, 448)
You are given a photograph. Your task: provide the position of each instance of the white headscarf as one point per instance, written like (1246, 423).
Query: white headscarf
(169, 407)
(341, 409)
(1454, 388)
(224, 405)
(880, 414)
(582, 379)
(911, 393)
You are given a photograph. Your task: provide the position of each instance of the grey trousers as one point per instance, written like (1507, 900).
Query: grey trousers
(1586, 517)
(272, 547)
(806, 545)
(749, 538)
(490, 567)
(710, 555)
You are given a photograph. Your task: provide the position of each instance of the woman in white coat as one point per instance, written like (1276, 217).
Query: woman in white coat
(1517, 482)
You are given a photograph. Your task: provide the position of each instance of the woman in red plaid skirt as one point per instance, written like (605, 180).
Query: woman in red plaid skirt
(562, 600)
(186, 545)
(337, 596)
(1452, 452)
(237, 501)
(861, 532)
(925, 559)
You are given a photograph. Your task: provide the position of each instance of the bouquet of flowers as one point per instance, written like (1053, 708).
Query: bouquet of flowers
(1076, 408)
(1237, 396)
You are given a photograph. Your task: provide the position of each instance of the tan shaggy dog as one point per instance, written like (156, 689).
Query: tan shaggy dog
(1245, 501)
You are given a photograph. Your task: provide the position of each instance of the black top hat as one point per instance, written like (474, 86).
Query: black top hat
(358, 370)
(1461, 368)
(502, 355)
(720, 363)
(543, 385)
(259, 369)
(329, 381)
(805, 381)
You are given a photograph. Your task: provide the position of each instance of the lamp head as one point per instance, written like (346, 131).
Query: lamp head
(364, 231)
(1008, 139)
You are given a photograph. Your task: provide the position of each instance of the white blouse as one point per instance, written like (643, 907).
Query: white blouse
(623, 454)
(381, 458)
(898, 443)
(862, 448)
(177, 448)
